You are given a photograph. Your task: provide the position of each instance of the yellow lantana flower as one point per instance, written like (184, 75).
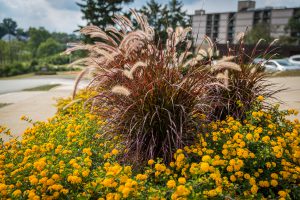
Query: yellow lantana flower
(151, 162)
(260, 98)
(171, 184)
(181, 180)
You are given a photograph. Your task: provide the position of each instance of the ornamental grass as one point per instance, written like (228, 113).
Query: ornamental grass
(243, 85)
(150, 92)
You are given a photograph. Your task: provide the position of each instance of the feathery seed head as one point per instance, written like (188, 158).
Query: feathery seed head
(120, 90)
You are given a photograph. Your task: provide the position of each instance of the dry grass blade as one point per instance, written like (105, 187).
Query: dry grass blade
(79, 77)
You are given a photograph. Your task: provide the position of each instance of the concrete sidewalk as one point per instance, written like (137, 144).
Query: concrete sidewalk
(37, 105)
(291, 96)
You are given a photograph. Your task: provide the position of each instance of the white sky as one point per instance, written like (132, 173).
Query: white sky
(65, 16)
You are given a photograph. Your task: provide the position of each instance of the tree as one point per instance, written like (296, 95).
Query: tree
(259, 31)
(64, 38)
(100, 12)
(20, 33)
(177, 17)
(2, 31)
(4, 51)
(49, 47)
(13, 51)
(152, 10)
(36, 37)
(163, 16)
(157, 17)
(8, 26)
(294, 27)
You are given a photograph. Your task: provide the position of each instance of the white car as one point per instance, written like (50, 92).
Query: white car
(258, 60)
(279, 65)
(295, 59)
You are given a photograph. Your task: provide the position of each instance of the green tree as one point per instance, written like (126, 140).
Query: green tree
(2, 31)
(8, 26)
(64, 38)
(20, 33)
(152, 10)
(294, 27)
(259, 31)
(100, 12)
(157, 15)
(49, 47)
(4, 49)
(177, 17)
(163, 16)
(36, 37)
(13, 51)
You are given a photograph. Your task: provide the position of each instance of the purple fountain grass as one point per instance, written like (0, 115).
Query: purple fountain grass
(153, 94)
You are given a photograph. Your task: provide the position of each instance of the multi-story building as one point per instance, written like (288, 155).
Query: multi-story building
(223, 27)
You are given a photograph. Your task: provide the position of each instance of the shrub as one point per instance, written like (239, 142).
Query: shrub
(14, 69)
(34, 63)
(259, 156)
(58, 59)
(49, 47)
(65, 146)
(71, 157)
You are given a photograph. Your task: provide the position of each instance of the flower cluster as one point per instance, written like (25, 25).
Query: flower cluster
(69, 157)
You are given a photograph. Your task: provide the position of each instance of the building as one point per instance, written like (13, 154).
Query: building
(223, 27)
(8, 37)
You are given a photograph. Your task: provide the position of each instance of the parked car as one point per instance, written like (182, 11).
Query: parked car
(258, 60)
(295, 59)
(279, 65)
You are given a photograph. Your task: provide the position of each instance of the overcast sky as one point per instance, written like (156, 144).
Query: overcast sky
(65, 16)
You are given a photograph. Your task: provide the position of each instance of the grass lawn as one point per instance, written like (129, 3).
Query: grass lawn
(42, 87)
(4, 104)
(65, 75)
(287, 73)
(29, 75)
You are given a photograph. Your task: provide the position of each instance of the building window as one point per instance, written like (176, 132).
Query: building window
(209, 25)
(257, 17)
(216, 20)
(230, 27)
(266, 16)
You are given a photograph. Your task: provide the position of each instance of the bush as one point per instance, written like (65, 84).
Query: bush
(49, 47)
(14, 69)
(58, 59)
(34, 63)
(70, 156)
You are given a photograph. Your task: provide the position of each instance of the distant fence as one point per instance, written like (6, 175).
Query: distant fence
(282, 50)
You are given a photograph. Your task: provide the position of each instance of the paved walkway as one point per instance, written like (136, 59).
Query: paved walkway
(40, 105)
(37, 105)
(291, 96)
